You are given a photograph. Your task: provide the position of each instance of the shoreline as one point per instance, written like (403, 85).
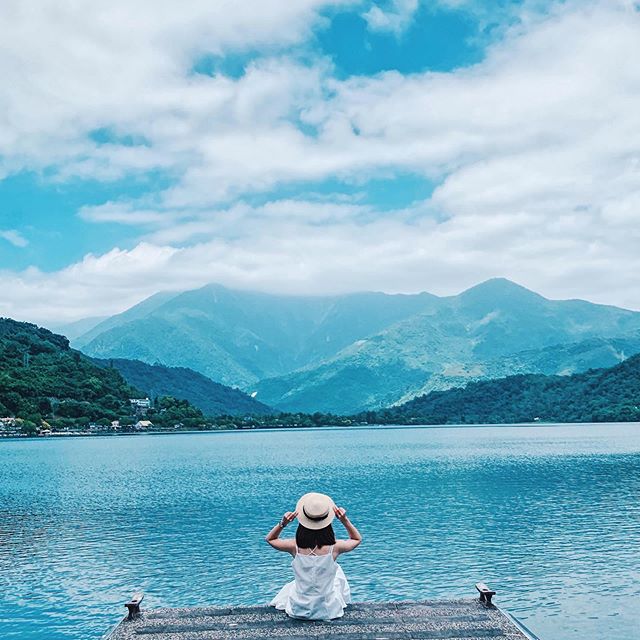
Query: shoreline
(376, 427)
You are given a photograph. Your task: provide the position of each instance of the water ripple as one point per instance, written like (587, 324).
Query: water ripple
(548, 516)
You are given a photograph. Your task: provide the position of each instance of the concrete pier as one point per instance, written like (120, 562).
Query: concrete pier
(442, 619)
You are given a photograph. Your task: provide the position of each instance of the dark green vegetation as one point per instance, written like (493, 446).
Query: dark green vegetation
(599, 395)
(45, 383)
(168, 413)
(211, 398)
(284, 420)
(42, 379)
(351, 353)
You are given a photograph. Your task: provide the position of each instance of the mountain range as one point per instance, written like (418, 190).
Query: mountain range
(597, 395)
(363, 351)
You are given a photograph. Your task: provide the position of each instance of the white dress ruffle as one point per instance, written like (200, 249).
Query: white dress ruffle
(320, 590)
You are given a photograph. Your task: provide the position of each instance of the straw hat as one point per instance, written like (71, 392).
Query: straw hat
(315, 510)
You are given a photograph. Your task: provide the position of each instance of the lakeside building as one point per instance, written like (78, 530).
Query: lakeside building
(140, 405)
(143, 424)
(10, 427)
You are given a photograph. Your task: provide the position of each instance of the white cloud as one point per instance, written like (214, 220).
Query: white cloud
(71, 67)
(14, 237)
(120, 213)
(536, 151)
(292, 255)
(395, 18)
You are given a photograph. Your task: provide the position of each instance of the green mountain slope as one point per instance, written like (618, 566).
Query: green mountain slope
(238, 338)
(136, 312)
(597, 395)
(73, 330)
(562, 359)
(212, 398)
(43, 379)
(364, 351)
(492, 330)
(40, 374)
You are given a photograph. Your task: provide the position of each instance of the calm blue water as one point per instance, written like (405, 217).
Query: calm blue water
(548, 516)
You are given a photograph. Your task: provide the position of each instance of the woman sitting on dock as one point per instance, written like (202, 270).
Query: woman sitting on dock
(320, 590)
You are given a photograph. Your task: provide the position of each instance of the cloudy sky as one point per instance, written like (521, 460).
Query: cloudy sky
(316, 146)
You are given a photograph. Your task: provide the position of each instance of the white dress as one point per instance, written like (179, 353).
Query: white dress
(320, 590)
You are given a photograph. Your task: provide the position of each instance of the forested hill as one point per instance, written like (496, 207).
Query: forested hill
(41, 375)
(598, 395)
(212, 398)
(47, 385)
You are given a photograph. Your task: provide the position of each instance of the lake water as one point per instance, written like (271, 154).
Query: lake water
(549, 516)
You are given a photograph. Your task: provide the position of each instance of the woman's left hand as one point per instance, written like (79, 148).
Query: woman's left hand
(289, 517)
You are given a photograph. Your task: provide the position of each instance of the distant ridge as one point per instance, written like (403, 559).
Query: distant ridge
(499, 288)
(139, 310)
(212, 398)
(238, 337)
(348, 353)
(73, 330)
(598, 395)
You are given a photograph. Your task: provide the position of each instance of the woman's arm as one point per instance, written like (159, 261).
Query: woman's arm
(273, 536)
(344, 546)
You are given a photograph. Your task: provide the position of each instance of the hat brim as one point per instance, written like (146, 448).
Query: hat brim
(314, 524)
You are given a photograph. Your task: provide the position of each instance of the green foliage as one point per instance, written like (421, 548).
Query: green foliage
(167, 412)
(283, 420)
(598, 395)
(212, 398)
(28, 428)
(41, 377)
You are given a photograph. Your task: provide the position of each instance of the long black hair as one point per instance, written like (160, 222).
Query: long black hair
(311, 538)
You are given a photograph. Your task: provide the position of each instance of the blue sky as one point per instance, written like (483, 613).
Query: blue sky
(44, 210)
(319, 146)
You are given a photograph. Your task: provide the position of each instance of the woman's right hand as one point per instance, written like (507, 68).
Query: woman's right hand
(341, 513)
